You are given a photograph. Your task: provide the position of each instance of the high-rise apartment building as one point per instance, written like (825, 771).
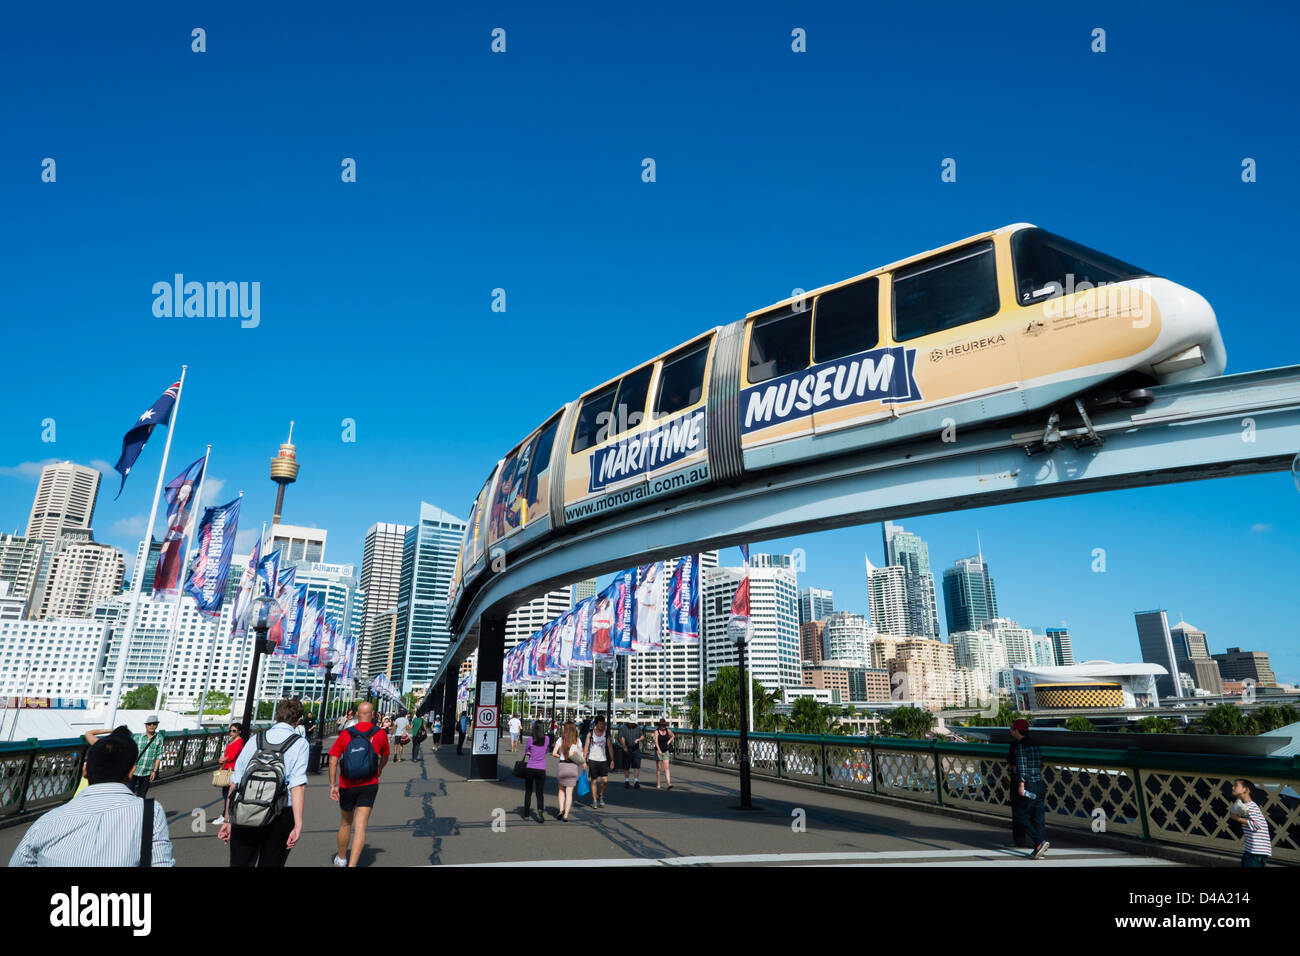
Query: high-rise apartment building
(1157, 647)
(429, 553)
(1044, 650)
(847, 637)
(20, 566)
(811, 649)
(910, 552)
(980, 652)
(1016, 640)
(1189, 643)
(381, 580)
(297, 543)
(969, 598)
(887, 599)
(774, 653)
(83, 574)
(1060, 637)
(65, 501)
(815, 604)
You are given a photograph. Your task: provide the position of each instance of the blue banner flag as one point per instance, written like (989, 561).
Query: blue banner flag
(244, 599)
(268, 573)
(684, 601)
(216, 541)
(159, 413)
(623, 595)
(180, 494)
(582, 656)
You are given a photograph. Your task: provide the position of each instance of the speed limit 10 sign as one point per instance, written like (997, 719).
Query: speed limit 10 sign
(485, 716)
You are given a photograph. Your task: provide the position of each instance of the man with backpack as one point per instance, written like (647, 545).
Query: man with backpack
(357, 760)
(268, 792)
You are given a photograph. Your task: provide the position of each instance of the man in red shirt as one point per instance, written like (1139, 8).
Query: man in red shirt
(356, 795)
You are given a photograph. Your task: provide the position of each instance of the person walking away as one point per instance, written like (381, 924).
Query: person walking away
(150, 745)
(400, 726)
(418, 733)
(234, 744)
(535, 748)
(357, 761)
(569, 752)
(1254, 825)
(437, 732)
(516, 727)
(268, 793)
(663, 749)
(631, 738)
(462, 726)
(596, 753)
(1029, 791)
(105, 826)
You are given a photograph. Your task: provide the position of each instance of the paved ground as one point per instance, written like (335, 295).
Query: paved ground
(427, 813)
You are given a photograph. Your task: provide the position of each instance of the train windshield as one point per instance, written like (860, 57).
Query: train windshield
(1048, 265)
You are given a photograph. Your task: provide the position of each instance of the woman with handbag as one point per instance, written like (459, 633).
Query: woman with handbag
(534, 767)
(221, 778)
(572, 764)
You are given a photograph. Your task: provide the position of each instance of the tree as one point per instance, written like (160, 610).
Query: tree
(1273, 717)
(217, 703)
(141, 698)
(908, 722)
(1005, 717)
(722, 703)
(1079, 724)
(1229, 720)
(1153, 725)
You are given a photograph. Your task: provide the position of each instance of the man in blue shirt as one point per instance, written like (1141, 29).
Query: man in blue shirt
(462, 727)
(269, 846)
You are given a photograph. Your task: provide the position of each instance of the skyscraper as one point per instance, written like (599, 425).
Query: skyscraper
(1061, 645)
(83, 575)
(1016, 640)
(910, 552)
(774, 654)
(1189, 642)
(381, 580)
(20, 566)
(887, 599)
(429, 552)
(968, 595)
(846, 638)
(815, 604)
(1236, 664)
(65, 501)
(1158, 648)
(297, 543)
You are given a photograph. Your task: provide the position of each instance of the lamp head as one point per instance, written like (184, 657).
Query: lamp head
(260, 615)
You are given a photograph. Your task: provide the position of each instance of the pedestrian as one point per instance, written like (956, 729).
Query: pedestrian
(516, 726)
(357, 761)
(418, 733)
(631, 738)
(150, 746)
(569, 751)
(596, 752)
(1028, 789)
(308, 723)
(91, 736)
(300, 728)
(462, 726)
(234, 744)
(400, 726)
(268, 793)
(107, 824)
(1254, 825)
(437, 732)
(535, 749)
(663, 749)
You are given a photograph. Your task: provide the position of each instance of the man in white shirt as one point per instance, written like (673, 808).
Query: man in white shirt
(103, 825)
(516, 725)
(269, 846)
(400, 726)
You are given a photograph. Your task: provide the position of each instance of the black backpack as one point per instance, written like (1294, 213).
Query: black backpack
(359, 760)
(263, 791)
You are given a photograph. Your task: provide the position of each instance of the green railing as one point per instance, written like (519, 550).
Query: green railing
(37, 775)
(1180, 799)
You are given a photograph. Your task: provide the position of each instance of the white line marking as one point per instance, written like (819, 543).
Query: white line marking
(991, 855)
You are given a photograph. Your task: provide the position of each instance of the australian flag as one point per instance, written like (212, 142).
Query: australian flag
(159, 413)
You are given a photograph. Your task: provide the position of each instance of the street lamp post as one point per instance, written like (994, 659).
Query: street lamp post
(608, 664)
(745, 798)
(260, 620)
(325, 703)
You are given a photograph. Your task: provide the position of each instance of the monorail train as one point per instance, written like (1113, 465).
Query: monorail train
(1005, 323)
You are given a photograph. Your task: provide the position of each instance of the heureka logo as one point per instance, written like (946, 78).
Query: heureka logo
(211, 300)
(76, 909)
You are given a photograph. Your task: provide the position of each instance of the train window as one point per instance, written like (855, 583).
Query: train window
(502, 510)
(945, 292)
(541, 459)
(846, 320)
(681, 383)
(779, 345)
(1047, 265)
(629, 409)
(592, 418)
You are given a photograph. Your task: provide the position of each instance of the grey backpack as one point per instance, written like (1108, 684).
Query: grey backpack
(263, 791)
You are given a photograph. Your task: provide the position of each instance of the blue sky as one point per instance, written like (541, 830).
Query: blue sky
(521, 171)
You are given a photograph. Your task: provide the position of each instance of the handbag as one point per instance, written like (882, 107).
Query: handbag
(221, 778)
(519, 764)
(583, 786)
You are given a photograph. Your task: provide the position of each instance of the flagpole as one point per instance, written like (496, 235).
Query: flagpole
(191, 526)
(138, 572)
(212, 656)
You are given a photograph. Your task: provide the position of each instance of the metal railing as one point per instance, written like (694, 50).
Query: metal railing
(1178, 799)
(37, 775)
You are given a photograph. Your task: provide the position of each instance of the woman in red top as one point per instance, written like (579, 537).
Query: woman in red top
(233, 747)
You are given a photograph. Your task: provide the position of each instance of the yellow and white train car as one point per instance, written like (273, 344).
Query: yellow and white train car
(1006, 323)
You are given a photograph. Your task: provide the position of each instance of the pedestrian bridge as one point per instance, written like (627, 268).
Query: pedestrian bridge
(821, 800)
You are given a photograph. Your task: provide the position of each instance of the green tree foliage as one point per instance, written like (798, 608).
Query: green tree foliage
(141, 698)
(1229, 720)
(908, 722)
(807, 716)
(1004, 718)
(1154, 725)
(1273, 717)
(217, 703)
(722, 703)
(1081, 724)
